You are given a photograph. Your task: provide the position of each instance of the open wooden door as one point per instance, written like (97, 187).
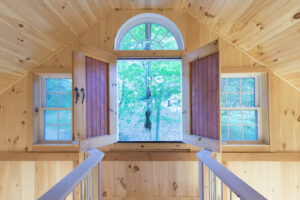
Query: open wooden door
(201, 98)
(95, 113)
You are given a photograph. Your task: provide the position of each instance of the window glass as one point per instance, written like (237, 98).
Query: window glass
(153, 88)
(148, 36)
(239, 115)
(57, 110)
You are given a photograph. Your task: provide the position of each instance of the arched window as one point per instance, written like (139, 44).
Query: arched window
(149, 32)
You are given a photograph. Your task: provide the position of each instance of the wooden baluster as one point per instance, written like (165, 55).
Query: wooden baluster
(92, 182)
(215, 187)
(201, 185)
(100, 180)
(221, 190)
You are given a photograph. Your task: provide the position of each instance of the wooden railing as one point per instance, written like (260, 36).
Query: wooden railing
(80, 181)
(218, 176)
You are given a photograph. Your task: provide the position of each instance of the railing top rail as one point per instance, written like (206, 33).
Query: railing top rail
(64, 187)
(238, 186)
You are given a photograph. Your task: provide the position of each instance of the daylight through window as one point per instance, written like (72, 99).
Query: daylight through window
(240, 102)
(148, 37)
(56, 107)
(149, 100)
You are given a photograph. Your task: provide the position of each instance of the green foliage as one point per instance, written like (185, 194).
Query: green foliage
(160, 39)
(165, 102)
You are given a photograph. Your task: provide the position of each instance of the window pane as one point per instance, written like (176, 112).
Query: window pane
(249, 117)
(65, 132)
(233, 100)
(65, 117)
(224, 117)
(169, 42)
(224, 130)
(66, 85)
(50, 132)
(235, 133)
(248, 100)
(158, 32)
(223, 85)
(138, 32)
(233, 84)
(235, 117)
(51, 117)
(248, 84)
(128, 43)
(159, 38)
(155, 46)
(223, 100)
(250, 132)
(66, 101)
(52, 85)
(52, 100)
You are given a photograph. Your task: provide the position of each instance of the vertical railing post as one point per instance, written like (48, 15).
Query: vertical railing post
(201, 195)
(100, 180)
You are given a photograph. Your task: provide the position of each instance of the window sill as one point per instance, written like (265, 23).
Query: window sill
(54, 148)
(246, 148)
(151, 147)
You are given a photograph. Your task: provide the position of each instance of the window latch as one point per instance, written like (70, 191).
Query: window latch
(83, 95)
(76, 94)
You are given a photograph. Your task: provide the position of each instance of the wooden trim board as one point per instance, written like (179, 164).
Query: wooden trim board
(20, 156)
(149, 53)
(203, 142)
(291, 156)
(150, 156)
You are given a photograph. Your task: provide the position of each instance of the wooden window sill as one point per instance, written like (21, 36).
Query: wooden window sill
(150, 147)
(246, 148)
(54, 148)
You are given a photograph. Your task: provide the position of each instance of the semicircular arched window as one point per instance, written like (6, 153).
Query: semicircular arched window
(149, 31)
(148, 37)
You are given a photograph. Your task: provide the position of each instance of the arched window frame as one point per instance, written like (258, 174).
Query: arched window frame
(149, 18)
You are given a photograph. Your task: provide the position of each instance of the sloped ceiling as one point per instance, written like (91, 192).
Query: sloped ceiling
(31, 30)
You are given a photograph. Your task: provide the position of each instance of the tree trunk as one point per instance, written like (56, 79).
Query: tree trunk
(158, 108)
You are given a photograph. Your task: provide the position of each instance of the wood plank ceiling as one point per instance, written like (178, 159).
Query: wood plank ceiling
(33, 29)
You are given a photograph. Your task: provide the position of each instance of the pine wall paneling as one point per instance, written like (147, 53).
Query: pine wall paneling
(16, 120)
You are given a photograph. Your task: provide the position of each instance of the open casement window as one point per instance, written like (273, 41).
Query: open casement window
(95, 114)
(201, 98)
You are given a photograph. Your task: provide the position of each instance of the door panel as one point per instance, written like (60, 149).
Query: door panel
(97, 98)
(95, 115)
(79, 119)
(203, 112)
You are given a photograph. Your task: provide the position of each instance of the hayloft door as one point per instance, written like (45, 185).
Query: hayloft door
(95, 118)
(201, 106)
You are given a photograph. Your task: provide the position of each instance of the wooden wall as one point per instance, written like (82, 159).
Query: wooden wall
(16, 123)
(24, 180)
(275, 180)
(151, 180)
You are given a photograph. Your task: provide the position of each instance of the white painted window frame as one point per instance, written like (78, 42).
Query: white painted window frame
(258, 100)
(149, 18)
(42, 107)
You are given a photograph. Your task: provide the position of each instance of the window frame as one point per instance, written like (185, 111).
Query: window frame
(258, 105)
(151, 18)
(181, 89)
(41, 108)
